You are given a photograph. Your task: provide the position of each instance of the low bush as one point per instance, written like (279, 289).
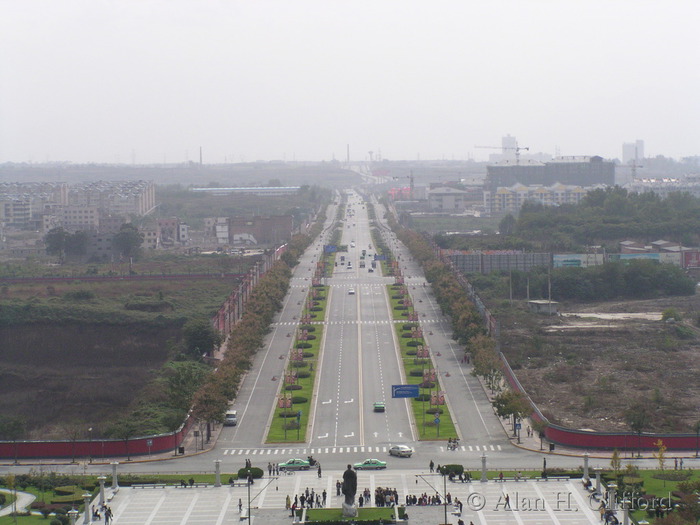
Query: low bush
(301, 374)
(298, 400)
(416, 372)
(302, 344)
(255, 471)
(298, 364)
(316, 308)
(400, 307)
(293, 387)
(451, 469)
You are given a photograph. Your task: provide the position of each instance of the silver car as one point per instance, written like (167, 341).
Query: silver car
(401, 451)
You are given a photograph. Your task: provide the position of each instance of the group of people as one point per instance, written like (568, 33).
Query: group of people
(383, 497)
(103, 510)
(273, 469)
(308, 499)
(452, 444)
(425, 499)
(463, 478)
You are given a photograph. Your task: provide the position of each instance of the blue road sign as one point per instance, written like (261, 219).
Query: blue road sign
(436, 420)
(518, 426)
(404, 391)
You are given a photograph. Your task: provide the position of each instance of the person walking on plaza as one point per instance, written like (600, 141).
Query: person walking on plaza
(432, 466)
(319, 470)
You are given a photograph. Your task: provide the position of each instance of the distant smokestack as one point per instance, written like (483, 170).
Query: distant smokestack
(200, 155)
(348, 153)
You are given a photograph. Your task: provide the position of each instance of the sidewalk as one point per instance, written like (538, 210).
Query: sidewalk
(24, 500)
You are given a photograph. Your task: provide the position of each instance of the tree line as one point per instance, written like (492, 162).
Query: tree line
(603, 217)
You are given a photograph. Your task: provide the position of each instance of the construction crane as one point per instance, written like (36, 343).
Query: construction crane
(503, 148)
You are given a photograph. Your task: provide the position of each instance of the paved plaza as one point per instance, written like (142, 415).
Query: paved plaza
(531, 502)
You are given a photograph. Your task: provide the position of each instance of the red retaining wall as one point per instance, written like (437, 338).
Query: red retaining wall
(96, 449)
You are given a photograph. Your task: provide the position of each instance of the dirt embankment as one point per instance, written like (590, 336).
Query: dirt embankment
(57, 376)
(584, 369)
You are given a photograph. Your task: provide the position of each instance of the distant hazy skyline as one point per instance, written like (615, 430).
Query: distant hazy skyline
(150, 81)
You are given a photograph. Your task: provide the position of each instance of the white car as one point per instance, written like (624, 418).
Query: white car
(401, 451)
(351, 291)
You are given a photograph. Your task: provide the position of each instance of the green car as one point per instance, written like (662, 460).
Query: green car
(295, 464)
(370, 464)
(379, 407)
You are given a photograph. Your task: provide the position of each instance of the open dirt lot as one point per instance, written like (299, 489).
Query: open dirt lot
(585, 367)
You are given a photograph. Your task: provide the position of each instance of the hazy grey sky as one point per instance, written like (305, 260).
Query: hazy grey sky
(153, 80)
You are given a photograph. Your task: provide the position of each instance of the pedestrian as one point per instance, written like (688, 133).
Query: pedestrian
(507, 503)
(324, 497)
(675, 463)
(319, 470)
(287, 502)
(269, 469)
(681, 463)
(191, 481)
(432, 466)
(500, 477)
(240, 505)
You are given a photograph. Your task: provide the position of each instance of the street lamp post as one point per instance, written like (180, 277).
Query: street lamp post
(249, 480)
(444, 490)
(90, 445)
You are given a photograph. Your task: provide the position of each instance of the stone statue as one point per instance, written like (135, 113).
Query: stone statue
(349, 486)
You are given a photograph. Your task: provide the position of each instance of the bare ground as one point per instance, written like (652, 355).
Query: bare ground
(585, 370)
(76, 375)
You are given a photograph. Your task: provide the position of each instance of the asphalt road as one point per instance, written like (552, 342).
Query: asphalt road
(359, 363)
